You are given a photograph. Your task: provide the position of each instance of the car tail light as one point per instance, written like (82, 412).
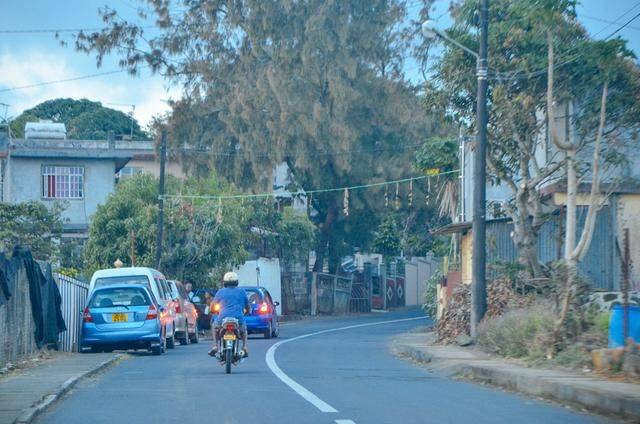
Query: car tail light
(216, 307)
(153, 313)
(86, 315)
(264, 308)
(231, 327)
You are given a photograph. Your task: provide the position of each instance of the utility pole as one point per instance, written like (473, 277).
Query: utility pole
(133, 110)
(163, 157)
(478, 266)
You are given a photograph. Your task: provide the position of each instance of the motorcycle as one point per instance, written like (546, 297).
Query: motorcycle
(229, 352)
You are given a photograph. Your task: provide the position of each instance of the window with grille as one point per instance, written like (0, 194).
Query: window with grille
(129, 171)
(63, 182)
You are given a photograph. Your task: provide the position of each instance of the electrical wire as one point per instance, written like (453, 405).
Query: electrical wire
(623, 26)
(395, 149)
(56, 31)
(605, 21)
(82, 77)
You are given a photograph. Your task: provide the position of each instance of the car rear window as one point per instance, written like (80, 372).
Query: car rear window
(141, 280)
(120, 296)
(253, 295)
(175, 293)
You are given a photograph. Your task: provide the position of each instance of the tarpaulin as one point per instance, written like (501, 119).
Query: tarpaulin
(43, 292)
(5, 293)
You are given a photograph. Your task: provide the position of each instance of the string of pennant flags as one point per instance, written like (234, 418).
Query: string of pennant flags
(309, 193)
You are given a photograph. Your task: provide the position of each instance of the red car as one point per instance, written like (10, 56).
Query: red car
(186, 319)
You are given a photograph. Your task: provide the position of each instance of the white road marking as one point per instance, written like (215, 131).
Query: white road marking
(299, 389)
(345, 422)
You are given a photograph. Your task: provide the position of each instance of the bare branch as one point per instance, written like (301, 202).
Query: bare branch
(550, 76)
(594, 205)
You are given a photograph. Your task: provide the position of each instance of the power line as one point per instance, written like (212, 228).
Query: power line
(395, 149)
(40, 84)
(57, 30)
(623, 26)
(305, 192)
(615, 21)
(595, 18)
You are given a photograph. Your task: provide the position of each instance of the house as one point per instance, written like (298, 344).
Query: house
(47, 167)
(146, 158)
(602, 265)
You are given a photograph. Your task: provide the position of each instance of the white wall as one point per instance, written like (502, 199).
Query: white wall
(268, 277)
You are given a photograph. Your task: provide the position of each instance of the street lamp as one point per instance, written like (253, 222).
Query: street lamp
(478, 255)
(431, 31)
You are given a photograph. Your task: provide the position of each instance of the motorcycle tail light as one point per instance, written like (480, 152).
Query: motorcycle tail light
(231, 327)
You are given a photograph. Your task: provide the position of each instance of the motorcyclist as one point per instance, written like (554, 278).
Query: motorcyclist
(233, 303)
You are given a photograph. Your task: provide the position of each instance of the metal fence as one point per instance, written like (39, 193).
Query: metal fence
(601, 265)
(74, 297)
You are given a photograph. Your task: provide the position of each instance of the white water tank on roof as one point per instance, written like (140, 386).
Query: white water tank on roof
(45, 129)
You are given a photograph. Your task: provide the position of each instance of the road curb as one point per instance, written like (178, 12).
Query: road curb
(598, 401)
(412, 352)
(28, 415)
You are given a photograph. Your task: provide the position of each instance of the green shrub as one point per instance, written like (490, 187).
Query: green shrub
(601, 321)
(430, 305)
(573, 357)
(518, 333)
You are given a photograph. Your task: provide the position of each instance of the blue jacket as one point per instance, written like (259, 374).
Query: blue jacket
(233, 301)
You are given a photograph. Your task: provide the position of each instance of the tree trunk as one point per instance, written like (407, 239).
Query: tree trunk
(325, 236)
(526, 236)
(574, 252)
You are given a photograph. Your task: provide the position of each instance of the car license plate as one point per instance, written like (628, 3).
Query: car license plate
(119, 317)
(229, 337)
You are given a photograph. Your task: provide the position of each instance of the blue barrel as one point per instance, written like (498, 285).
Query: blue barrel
(616, 336)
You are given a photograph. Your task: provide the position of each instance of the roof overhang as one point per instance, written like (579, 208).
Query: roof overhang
(626, 186)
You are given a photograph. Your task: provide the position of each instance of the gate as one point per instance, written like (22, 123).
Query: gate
(394, 287)
(296, 292)
(74, 298)
(334, 293)
(361, 290)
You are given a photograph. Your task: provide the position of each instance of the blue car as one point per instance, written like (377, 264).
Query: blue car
(123, 317)
(262, 318)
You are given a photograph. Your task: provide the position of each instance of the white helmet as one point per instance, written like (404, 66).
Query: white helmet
(230, 279)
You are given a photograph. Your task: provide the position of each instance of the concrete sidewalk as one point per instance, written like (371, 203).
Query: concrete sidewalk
(589, 392)
(24, 395)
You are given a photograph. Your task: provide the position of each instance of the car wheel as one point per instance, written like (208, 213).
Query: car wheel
(195, 338)
(268, 332)
(95, 349)
(163, 341)
(159, 349)
(185, 339)
(171, 341)
(276, 331)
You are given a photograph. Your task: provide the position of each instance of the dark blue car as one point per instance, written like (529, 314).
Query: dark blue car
(262, 317)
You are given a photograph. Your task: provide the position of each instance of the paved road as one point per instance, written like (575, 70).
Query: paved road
(350, 371)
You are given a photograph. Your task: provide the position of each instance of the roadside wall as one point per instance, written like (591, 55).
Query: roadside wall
(30, 315)
(17, 326)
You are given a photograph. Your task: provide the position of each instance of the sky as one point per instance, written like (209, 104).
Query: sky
(33, 58)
